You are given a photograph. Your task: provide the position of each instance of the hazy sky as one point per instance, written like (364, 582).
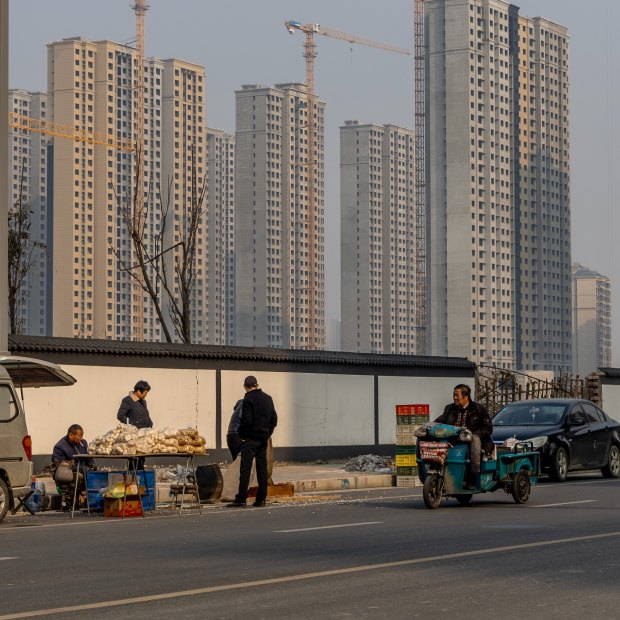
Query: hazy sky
(245, 42)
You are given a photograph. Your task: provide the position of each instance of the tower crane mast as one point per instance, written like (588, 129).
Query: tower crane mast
(310, 54)
(138, 216)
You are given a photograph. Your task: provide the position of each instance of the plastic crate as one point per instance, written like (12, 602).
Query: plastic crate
(406, 460)
(413, 409)
(406, 420)
(405, 449)
(408, 481)
(97, 480)
(407, 471)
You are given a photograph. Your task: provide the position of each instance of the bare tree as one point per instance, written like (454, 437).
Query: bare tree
(164, 268)
(22, 255)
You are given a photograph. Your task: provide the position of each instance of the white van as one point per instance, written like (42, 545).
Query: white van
(15, 442)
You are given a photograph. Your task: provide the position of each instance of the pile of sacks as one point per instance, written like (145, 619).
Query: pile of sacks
(127, 439)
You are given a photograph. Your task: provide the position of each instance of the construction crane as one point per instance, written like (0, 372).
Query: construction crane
(420, 174)
(37, 125)
(140, 8)
(310, 54)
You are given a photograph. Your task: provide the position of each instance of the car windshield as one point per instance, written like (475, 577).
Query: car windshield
(527, 414)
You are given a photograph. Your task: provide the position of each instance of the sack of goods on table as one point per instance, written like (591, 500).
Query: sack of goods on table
(127, 439)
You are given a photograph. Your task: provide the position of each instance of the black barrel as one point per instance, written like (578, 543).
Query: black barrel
(210, 482)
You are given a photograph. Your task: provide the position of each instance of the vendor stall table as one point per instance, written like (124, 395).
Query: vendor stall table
(134, 463)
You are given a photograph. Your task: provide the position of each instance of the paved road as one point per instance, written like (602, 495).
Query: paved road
(373, 554)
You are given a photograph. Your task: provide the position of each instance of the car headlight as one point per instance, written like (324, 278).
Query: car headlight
(538, 442)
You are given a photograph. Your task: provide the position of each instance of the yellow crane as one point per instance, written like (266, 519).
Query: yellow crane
(37, 125)
(310, 54)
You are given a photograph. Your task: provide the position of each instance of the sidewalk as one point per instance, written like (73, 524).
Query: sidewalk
(309, 477)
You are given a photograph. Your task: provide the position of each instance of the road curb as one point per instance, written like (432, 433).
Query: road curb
(344, 484)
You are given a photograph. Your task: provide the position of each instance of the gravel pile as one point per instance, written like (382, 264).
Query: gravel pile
(369, 463)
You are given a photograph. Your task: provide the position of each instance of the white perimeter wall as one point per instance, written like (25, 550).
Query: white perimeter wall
(313, 409)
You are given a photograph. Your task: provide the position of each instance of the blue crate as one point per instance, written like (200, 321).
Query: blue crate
(97, 480)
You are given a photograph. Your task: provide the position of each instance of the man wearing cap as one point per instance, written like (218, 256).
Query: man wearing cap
(258, 419)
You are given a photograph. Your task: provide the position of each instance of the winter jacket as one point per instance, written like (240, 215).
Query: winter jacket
(258, 416)
(64, 450)
(235, 419)
(478, 422)
(134, 411)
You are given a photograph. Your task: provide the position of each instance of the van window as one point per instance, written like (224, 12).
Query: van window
(8, 406)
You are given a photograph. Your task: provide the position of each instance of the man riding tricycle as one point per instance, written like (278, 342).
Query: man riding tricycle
(459, 458)
(443, 462)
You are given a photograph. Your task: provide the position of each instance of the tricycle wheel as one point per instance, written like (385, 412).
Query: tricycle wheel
(521, 487)
(464, 499)
(432, 491)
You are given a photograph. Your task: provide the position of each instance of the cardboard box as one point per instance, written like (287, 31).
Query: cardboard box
(113, 507)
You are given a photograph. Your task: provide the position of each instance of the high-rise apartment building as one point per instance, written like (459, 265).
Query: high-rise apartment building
(498, 203)
(220, 237)
(28, 188)
(91, 86)
(272, 280)
(378, 234)
(591, 320)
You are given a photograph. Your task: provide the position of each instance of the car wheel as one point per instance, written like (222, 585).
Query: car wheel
(464, 499)
(521, 487)
(432, 491)
(4, 499)
(559, 465)
(612, 469)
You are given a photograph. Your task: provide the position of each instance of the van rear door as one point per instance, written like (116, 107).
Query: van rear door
(30, 372)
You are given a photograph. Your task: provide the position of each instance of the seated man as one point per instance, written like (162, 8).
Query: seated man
(464, 412)
(65, 449)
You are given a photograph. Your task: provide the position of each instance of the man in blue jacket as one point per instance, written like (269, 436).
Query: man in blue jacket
(258, 419)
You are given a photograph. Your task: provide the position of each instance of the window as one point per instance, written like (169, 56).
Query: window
(8, 405)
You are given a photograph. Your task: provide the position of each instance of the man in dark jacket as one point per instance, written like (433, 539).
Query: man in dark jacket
(233, 440)
(258, 419)
(65, 450)
(465, 412)
(133, 409)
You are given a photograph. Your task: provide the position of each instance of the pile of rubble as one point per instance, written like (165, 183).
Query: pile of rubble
(369, 463)
(127, 439)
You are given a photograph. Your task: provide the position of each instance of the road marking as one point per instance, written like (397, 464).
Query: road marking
(9, 558)
(583, 501)
(303, 576)
(328, 527)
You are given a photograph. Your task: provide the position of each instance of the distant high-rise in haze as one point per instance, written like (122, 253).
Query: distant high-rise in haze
(272, 295)
(378, 235)
(498, 202)
(220, 237)
(91, 87)
(28, 187)
(591, 320)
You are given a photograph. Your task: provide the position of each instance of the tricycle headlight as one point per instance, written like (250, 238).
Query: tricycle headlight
(538, 442)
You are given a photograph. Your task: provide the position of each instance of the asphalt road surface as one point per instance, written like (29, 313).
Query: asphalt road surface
(369, 554)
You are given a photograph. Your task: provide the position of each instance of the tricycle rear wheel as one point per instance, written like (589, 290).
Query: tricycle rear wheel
(521, 487)
(432, 491)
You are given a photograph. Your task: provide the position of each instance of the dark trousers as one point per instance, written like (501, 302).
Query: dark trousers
(253, 449)
(234, 444)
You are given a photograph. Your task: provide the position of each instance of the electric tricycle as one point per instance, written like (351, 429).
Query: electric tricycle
(443, 460)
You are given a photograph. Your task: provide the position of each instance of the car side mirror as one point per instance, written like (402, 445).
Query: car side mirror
(576, 420)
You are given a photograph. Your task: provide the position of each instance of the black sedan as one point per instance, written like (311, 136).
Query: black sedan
(571, 434)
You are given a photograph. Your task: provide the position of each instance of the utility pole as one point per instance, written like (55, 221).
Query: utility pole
(4, 190)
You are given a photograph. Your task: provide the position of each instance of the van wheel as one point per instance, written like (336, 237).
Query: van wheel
(4, 499)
